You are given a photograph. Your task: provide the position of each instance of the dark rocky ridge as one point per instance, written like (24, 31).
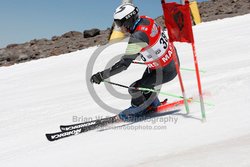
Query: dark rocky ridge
(57, 45)
(73, 40)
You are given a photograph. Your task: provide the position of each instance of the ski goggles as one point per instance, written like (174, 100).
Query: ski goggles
(119, 23)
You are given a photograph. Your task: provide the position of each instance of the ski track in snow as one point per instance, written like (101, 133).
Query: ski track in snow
(38, 96)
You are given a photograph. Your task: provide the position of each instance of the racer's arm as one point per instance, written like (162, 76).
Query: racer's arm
(137, 41)
(135, 44)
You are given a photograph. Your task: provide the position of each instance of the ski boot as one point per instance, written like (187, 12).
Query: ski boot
(131, 113)
(134, 112)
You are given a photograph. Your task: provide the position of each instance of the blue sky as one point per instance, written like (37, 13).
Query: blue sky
(24, 20)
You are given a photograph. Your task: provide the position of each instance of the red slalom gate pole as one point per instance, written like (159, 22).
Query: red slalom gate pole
(180, 80)
(178, 22)
(203, 114)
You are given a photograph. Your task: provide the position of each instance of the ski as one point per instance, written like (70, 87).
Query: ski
(75, 129)
(163, 107)
(86, 124)
(166, 106)
(84, 127)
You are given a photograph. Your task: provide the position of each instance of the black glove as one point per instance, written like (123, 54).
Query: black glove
(97, 78)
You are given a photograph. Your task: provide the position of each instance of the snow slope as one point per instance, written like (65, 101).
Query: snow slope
(38, 96)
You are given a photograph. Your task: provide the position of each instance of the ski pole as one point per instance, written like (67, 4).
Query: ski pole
(156, 91)
(144, 89)
(116, 84)
(183, 69)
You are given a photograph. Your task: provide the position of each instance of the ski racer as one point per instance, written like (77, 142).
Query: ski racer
(156, 52)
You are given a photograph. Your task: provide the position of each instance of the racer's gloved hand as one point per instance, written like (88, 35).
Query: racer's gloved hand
(96, 78)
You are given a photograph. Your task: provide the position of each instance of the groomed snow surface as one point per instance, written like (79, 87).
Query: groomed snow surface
(38, 96)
